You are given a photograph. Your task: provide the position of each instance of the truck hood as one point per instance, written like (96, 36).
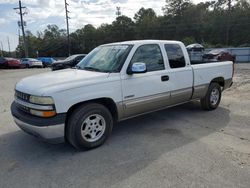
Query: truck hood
(56, 81)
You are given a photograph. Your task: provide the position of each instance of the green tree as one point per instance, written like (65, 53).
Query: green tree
(123, 29)
(54, 42)
(145, 23)
(176, 7)
(84, 40)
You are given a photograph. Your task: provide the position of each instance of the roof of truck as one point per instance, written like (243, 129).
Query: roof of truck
(145, 42)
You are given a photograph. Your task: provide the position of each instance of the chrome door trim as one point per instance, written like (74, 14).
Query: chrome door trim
(146, 100)
(151, 111)
(141, 105)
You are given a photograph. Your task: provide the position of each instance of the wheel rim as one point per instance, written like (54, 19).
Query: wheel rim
(214, 97)
(93, 127)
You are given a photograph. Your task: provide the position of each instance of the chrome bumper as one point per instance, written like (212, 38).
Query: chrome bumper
(52, 134)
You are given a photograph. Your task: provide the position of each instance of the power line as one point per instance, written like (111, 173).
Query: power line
(67, 22)
(20, 11)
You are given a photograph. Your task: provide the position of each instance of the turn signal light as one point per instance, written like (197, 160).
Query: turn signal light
(43, 113)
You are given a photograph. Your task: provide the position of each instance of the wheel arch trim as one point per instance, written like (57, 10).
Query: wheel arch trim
(219, 80)
(109, 103)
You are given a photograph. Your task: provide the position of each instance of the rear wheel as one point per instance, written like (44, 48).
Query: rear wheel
(212, 98)
(89, 126)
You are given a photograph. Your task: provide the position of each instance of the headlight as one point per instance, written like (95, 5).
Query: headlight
(41, 100)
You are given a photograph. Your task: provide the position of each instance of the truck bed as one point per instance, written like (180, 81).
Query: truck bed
(206, 72)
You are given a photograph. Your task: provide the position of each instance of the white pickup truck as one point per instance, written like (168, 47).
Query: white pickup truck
(112, 83)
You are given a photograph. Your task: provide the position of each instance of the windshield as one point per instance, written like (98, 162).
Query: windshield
(70, 57)
(108, 58)
(30, 59)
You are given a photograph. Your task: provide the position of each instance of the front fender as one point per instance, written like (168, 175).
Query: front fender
(68, 98)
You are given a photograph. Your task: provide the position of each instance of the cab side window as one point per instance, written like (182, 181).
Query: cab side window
(175, 56)
(150, 54)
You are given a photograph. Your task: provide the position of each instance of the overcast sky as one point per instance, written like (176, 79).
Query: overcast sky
(40, 13)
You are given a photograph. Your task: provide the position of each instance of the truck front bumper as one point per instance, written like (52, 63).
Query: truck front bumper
(48, 129)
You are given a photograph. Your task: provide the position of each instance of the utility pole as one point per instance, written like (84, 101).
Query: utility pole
(8, 44)
(67, 22)
(18, 36)
(22, 26)
(1, 48)
(228, 21)
(118, 11)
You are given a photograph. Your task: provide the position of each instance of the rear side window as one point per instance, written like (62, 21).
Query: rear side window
(150, 54)
(175, 56)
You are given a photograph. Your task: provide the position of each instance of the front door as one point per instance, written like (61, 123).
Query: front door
(148, 91)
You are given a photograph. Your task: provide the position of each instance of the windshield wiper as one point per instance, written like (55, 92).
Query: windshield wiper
(76, 67)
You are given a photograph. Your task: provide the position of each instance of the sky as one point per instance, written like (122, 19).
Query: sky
(40, 13)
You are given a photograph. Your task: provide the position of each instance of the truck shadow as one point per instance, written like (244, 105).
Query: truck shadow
(133, 146)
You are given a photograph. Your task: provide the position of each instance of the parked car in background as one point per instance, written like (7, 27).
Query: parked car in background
(195, 52)
(9, 63)
(218, 55)
(69, 62)
(30, 62)
(47, 61)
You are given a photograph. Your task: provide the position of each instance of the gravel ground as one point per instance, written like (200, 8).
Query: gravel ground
(182, 146)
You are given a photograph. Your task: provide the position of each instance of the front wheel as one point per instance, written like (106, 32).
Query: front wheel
(89, 126)
(212, 98)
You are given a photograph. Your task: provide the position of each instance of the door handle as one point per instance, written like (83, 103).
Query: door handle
(164, 78)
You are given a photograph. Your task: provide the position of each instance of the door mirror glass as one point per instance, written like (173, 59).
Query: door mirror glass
(138, 67)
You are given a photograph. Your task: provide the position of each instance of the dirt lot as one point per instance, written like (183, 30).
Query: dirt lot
(178, 147)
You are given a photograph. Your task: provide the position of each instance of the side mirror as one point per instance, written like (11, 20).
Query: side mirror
(137, 68)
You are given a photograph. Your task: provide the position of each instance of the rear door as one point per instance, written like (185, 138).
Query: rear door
(146, 91)
(180, 73)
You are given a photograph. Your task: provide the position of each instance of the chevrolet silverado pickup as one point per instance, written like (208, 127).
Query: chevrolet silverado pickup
(112, 83)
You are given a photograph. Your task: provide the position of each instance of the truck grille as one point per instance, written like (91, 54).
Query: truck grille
(22, 96)
(23, 108)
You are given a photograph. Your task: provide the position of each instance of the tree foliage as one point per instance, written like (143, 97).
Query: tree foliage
(212, 23)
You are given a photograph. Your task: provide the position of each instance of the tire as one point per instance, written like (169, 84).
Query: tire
(89, 126)
(212, 98)
(27, 66)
